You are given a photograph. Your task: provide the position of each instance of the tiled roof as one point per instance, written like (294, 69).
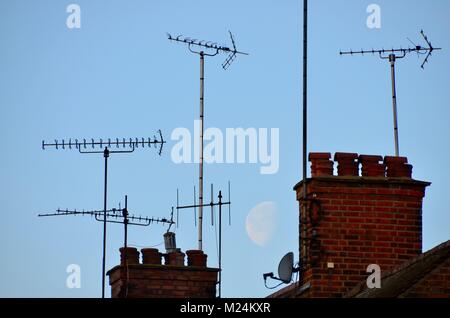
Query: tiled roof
(399, 280)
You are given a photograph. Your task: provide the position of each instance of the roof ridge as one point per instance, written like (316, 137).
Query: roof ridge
(428, 260)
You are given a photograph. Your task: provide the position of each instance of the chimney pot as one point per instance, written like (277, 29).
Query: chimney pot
(132, 255)
(338, 156)
(151, 256)
(319, 155)
(398, 167)
(174, 258)
(371, 166)
(395, 160)
(196, 258)
(170, 242)
(370, 158)
(347, 163)
(321, 165)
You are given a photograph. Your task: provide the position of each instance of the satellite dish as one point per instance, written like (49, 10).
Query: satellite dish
(285, 268)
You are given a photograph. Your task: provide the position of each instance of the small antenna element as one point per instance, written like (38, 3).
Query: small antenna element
(128, 144)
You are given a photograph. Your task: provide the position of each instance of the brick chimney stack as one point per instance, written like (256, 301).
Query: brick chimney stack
(152, 279)
(351, 221)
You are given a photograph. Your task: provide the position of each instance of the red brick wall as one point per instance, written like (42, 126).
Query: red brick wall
(163, 281)
(154, 280)
(353, 221)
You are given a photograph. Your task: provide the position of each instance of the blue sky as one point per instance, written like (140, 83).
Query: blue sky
(118, 76)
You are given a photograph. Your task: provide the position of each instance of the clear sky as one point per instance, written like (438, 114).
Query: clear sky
(118, 76)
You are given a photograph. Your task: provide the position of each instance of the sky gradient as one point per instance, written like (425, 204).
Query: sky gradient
(118, 76)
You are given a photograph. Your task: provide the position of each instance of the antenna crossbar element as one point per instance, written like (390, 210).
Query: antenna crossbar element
(113, 216)
(84, 145)
(385, 53)
(208, 45)
(418, 49)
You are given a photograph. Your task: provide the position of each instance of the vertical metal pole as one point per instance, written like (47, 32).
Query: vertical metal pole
(394, 102)
(200, 178)
(125, 241)
(220, 244)
(125, 222)
(305, 149)
(106, 155)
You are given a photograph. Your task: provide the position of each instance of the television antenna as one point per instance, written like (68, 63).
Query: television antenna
(285, 270)
(122, 146)
(205, 48)
(114, 215)
(392, 55)
(211, 204)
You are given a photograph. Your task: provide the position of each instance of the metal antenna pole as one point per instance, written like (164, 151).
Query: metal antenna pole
(205, 48)
(125, 243)
(212, 204)
(220, 244)
(106, 155)
(392, 58)
(200, 178)
(125, 223)
(305, 109)
(392, 55)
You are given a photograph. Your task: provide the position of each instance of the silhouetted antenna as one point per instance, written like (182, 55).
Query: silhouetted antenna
(171, 221)
(205, 48)
(399, 52)
(195, 208)
(130, 144)
(430, 49)
(212, 204)
(229, 200)
(392, 55)
(120, 216)
(210, 46)
(115, 215)
(120, 146)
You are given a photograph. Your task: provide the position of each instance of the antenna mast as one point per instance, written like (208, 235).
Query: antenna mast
(122, 146)
(392, 55)
(212, 204)
(201, 48)
(120, 216)
(302, 243)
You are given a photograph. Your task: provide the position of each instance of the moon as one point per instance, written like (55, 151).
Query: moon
(261, 222)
